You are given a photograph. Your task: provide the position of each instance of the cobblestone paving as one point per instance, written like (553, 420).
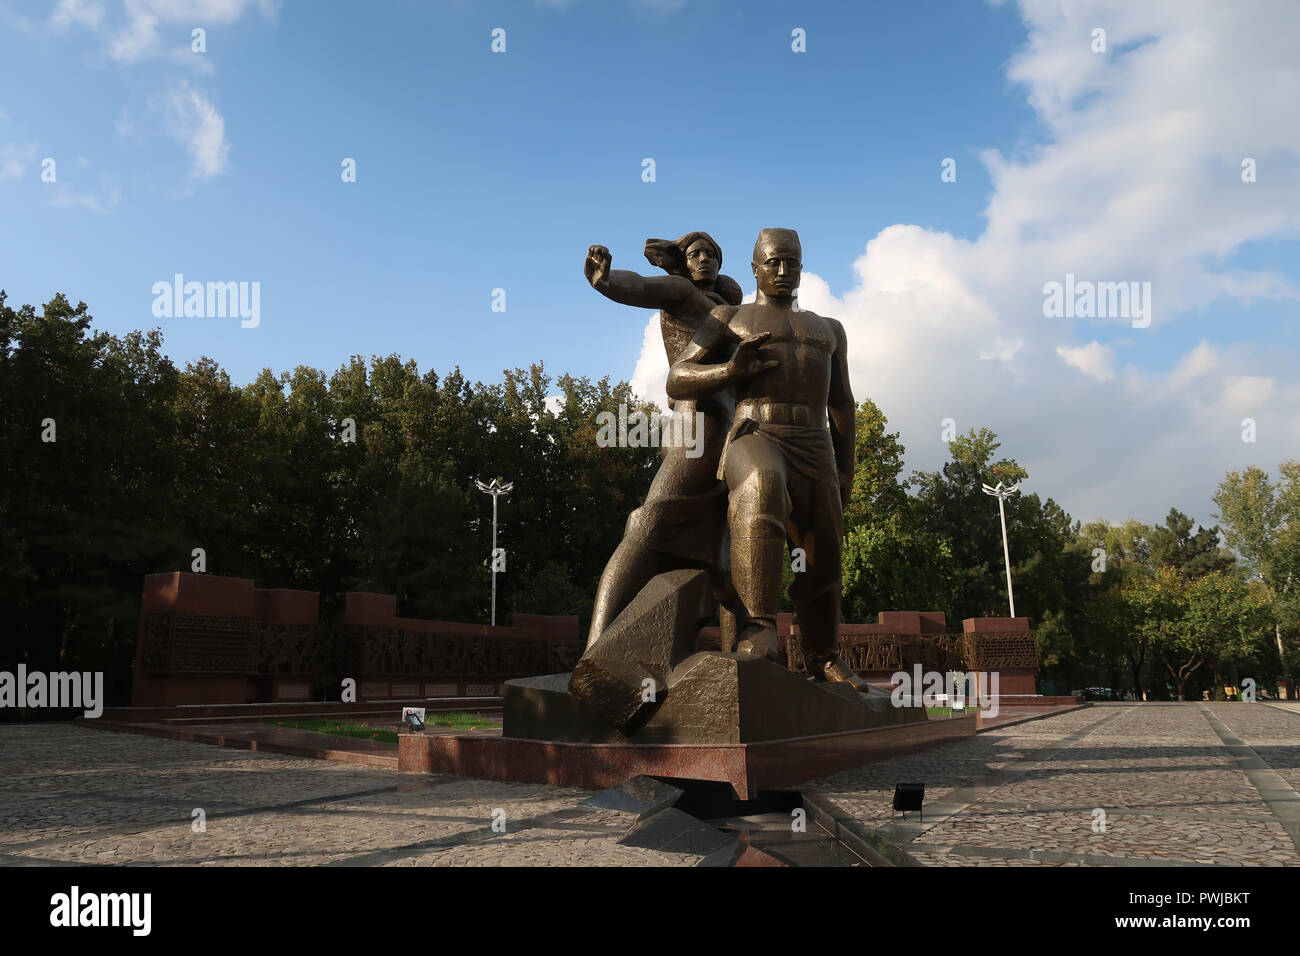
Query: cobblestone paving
(70, 794)
(1174, 790)
(1180, 784)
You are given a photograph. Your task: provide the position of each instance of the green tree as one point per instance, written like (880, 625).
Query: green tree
(878, 494)
(952, 503)
(1193, 624)
(86, 483)
(361, 480)
(1118, 557)
(894, 564)
(891, 560)
(1261, 522)
(1192, 552)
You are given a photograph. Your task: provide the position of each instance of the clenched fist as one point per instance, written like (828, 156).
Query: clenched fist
(596, 268)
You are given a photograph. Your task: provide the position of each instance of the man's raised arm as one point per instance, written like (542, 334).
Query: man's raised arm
(705, 366)
(843, 412)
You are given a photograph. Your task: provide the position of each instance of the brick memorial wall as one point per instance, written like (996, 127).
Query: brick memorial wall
(206, 639)
(417, 658)
(1005, 645)
(899, 640)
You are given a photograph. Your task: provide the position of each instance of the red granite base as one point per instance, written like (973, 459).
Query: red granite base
(260, 737)
(222, 713)
(747, 767)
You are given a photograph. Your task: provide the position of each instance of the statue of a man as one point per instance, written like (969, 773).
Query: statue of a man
(788, 476)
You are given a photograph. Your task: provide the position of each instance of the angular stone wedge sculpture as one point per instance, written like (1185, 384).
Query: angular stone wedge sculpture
(624, 677)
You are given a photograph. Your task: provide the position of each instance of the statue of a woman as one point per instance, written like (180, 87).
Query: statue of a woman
(683, 522)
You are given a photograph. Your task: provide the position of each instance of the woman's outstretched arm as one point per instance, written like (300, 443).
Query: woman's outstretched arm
(630, 288)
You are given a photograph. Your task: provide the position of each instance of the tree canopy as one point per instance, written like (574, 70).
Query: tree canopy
(118, 464)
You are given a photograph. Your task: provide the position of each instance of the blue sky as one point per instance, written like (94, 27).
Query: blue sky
(479, 170)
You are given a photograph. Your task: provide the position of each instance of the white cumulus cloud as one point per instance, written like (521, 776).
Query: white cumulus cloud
(87, 13)
(193, 121)
(1092, 359)
(139, 36)
(1137, 180)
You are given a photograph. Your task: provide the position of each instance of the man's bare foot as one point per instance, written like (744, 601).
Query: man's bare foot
(835, 671)
(761, 641)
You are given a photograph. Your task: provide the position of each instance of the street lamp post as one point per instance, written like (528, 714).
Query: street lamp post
(495, 489)
(1002, 492)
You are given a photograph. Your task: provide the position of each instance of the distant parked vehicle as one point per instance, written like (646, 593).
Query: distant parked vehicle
(1101, 693)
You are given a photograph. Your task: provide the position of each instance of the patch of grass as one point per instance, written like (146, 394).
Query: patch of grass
(337, 728)
(947, 712)
(384, 733)
(458, 721)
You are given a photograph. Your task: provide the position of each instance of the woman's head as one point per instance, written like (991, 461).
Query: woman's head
(703, 259)
(695, 256)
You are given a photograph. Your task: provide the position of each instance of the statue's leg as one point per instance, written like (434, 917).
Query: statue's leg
(653, 541)
(818, 526)
(727, 639)
(629, 570)
(732, 616)
(756, 513)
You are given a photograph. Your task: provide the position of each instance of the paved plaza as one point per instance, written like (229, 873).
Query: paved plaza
(71, 794)
(1173, 784)
(1178, 784)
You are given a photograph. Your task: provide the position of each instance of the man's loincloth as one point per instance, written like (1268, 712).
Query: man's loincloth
(807, 448)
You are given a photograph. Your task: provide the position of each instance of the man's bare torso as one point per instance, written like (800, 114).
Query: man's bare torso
(803, 345)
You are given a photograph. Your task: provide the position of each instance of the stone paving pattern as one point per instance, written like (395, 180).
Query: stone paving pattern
(1180, 784)
(1173, 791)
(70, 794)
